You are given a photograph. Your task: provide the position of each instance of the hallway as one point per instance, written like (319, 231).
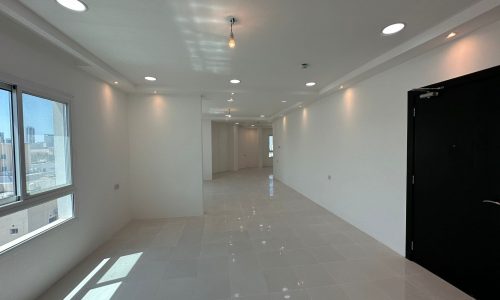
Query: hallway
(258, 240)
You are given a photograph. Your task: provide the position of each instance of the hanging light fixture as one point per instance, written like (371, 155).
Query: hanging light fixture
(232, 42)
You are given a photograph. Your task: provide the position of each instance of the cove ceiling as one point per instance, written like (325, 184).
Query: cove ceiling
(184, 43)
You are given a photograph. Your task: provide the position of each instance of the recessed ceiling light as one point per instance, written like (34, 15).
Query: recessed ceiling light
(284, 101)
(311, 84)
(156, 92)
(262, 116)
(116, 82)
(253, 125)
(393, 28)
(74, 5)
(150, 78)
(230, 100)
(235, 81)
(236, 123)
(451, 35)
(300, 106)
(232, 93)
(341, 87)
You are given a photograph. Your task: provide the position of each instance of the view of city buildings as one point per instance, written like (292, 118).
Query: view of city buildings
(41, 174)
(47, 164)
(39, 157)
(6, 167)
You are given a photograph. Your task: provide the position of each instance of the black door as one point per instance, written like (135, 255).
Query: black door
(454, 198)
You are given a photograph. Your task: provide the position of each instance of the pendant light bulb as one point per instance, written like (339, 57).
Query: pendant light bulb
(232, 42)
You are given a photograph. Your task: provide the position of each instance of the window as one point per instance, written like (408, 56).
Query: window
(46, 143)
(36, 189)
(27, 223)
(7, 172)
(271, 147)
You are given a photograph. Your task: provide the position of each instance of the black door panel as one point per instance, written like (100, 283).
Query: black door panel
(454, 218)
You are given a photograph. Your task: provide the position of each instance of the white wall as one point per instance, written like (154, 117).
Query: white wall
(206, 136)
(236, 142)
(359, 137)
(235, 147)
(100, 140)
(248, 148)
(165, 156)
(222, 147)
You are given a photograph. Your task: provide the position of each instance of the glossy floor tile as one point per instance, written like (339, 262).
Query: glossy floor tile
(258, 239)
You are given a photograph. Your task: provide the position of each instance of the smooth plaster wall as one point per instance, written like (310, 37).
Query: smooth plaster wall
(235, 147)
(358, 136)
(206, 133)
(222, 147)
(100, 153)
(248, 148)
(165, 156)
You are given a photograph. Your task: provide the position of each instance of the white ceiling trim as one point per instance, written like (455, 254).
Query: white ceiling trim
(234, 119)
(94, 65)
(469, 19)
(417, 45)
(437, 31)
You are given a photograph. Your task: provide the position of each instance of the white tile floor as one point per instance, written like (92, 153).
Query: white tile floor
(259, 240)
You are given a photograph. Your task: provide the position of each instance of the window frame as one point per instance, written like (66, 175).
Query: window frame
(25, 194)
(17, 191)
(24, 200)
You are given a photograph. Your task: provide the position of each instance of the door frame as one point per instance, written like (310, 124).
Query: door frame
(413, 97)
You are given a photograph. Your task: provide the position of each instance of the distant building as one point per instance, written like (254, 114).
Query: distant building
(49, 140)
(2, 138)
(14, 226)
(29, 135)
(6, 170)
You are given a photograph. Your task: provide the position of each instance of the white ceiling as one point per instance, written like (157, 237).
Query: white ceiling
(184, 43)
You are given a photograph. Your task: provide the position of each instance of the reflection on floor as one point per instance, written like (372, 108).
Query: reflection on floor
(258, 240)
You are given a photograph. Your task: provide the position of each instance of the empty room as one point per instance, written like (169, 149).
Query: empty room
(253, 150)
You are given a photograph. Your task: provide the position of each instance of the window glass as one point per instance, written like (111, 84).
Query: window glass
(44, 128)
(46, 140)
(7, 164)
(271, 147)
(25, 224)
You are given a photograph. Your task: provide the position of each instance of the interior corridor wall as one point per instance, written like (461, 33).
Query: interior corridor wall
(165, 156)
(206, 137)
(358, 136)
(100, 154)
(222, 147)
(248, 148)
